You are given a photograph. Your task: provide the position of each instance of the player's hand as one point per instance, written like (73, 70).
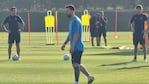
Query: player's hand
(63, 47)
(144, 36)
(8, 31)
(132, 29)
(19, 30)
(71, 49)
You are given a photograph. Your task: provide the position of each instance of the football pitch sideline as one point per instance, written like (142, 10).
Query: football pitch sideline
(42, 64)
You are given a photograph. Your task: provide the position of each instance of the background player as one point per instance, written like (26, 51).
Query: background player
(101, 26)
(13, 25)
(138, 31)
(76, 44)
(93, 29)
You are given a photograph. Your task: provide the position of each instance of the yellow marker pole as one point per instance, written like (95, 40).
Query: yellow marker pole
(85, 24)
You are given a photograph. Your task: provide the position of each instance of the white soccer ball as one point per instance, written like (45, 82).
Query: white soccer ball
(66, 57)
(15, 57)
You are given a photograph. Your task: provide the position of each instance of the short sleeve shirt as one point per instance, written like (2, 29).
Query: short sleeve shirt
(76, 27)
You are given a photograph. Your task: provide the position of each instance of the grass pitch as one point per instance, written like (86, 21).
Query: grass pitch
(42, 64)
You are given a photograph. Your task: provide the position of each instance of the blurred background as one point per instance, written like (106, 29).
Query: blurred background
(44, 5)
(38, 9)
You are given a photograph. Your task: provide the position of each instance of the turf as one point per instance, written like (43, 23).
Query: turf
(42, 64)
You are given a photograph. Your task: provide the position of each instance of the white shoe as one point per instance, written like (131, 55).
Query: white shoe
(134, 60)
(76, 82)
(90, 79)
(145, 60)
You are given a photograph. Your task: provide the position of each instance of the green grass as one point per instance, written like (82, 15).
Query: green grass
(41, 64)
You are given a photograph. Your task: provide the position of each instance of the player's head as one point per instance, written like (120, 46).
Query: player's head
(139, 8)
(97, 14)
(13, 10)
(69, 10)
(101, 13)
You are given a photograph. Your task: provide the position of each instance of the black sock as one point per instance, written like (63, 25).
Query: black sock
(77, 73)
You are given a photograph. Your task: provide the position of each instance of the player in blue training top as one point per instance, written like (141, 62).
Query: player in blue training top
(139, 33)
(76, 44)
(13, 25)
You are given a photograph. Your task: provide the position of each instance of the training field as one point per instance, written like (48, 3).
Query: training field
(41, 64)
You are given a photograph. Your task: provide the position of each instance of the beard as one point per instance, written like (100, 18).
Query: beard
(68, 15)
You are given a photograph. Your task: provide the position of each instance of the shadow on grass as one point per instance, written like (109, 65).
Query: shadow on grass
(136, 67)
(2, 61)
(117, 64)
(117, 53)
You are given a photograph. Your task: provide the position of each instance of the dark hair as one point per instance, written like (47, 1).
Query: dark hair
(70, 6)
(12, 8)
(139, 6)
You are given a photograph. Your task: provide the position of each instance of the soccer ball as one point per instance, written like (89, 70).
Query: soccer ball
(15, 57)
(66, 57)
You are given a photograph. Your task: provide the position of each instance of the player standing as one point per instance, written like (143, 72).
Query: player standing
(13, 25)
(93, 29)
(148, 27)
(101, 26)
(139, 33)
(76, 44)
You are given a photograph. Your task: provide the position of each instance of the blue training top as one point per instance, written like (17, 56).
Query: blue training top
(12, 22)
(138, 20)
(76, 27)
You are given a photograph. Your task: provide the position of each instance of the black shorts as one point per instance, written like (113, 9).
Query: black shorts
(138, 38)
(14, 38)
(93, 32)
(76, 57)
(102, 31)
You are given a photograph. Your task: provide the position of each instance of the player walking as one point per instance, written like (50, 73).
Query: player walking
(76, 44)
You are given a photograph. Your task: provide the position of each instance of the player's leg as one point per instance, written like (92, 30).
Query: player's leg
(86, 73)
(92, 40)
(9, 51)
(135, 43)
(92, 37)
(76, 66)
(83, 69)
(18, 44)
(144, 49)
(98, 39)
(10, 43)
(18, 48)
(148, 39)
(105, 37)
(135, 52)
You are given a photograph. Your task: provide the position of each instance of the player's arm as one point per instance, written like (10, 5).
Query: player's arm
(145, 27)
(64, 44)
(5, 28)
(67, 40)
(21, 24)
(131, 24)
(105, 20)
(5, 25)
(75, 38)
(76, 27)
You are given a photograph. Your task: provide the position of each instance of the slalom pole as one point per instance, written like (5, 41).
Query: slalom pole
(116, 25)
(29, 39)
(56, 25)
